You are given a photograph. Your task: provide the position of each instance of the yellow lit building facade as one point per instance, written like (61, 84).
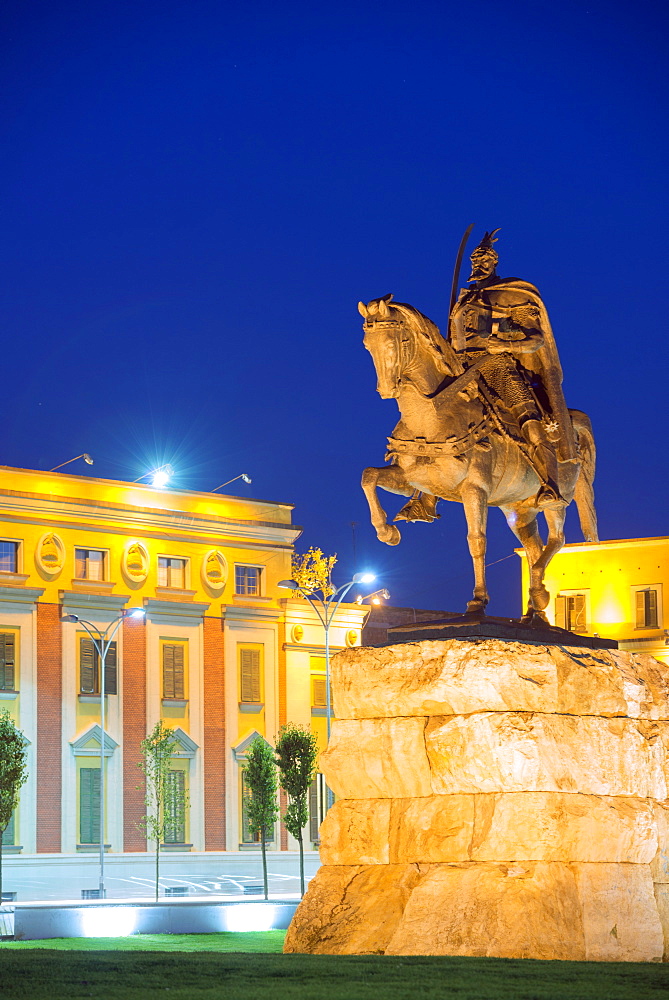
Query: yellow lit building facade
(220, 655)
(616, 589)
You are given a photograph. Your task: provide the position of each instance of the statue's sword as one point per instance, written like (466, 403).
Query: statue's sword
(456, 282)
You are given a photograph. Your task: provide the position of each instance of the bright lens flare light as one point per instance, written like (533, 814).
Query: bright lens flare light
(250, 917)
(108, 921)
(366, 578)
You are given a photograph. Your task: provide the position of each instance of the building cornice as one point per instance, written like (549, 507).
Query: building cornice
(116, 518)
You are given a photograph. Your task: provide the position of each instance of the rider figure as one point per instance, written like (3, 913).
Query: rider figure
(502, 324)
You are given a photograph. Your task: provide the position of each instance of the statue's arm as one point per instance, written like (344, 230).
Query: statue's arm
(519, 331)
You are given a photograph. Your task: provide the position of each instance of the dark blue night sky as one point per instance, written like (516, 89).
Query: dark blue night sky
(195, 196)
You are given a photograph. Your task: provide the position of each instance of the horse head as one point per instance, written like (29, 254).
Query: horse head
(405, 346)
(382, 328)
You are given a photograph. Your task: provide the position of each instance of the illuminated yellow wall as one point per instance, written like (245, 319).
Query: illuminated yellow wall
(607, 573)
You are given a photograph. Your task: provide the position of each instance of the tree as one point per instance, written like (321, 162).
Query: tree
(262, 809)
(13, 773)
(296, 753)
(313, 572)
(165, 807)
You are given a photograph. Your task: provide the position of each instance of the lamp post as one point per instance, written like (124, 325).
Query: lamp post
(102, 641)
(329, 605)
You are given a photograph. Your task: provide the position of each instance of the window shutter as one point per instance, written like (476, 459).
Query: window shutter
(89, 805)
(87, 665)
(178, 680)
(579, 613)
(111, 672)
(250, 675)
(651, 605)
(168, 671)
(249, 836)
(320, 692)
(640, 609)
(175, 825)
(561, 612)
(8, 836)
(314, 818)
(7, 661)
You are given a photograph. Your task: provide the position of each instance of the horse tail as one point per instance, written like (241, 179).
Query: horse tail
(584, 493)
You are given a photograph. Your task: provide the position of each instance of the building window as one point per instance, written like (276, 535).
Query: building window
(89, 668)
(319, 692)
(175, 808)
(317, 806)
(247, 581)
(570, 612)
(646, 608)
(89, 564)
(9, 557)
(9, 834)
(250, 665)
(171, 572)
(89, 805)
(173, 671)
(7, 661)
(251, 836)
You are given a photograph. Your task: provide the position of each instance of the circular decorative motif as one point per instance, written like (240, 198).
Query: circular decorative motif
(50, 554)
(352, 637)
(135, 562)
(214, 570)
(297, 633)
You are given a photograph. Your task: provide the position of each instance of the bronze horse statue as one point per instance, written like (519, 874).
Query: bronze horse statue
(451, 444)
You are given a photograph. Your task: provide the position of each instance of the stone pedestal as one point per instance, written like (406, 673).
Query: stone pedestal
(494, 798)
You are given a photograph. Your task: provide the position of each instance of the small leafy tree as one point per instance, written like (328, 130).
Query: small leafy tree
(262, 808)
(13, 773)
(296, 753)
(164, 812)
(313, 571)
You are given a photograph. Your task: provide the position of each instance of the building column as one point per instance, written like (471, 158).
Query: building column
(49, 728)
(134, 730)
(214, 734)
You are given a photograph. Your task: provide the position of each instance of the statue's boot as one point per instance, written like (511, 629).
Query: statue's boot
(421, 507)
(545, 464)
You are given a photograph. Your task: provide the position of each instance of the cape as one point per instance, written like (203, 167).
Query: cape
(544, 362)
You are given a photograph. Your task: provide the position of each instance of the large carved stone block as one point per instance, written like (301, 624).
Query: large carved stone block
(559, 826)
(518, 826)
(508, 911)
(550, 910)
(620, 916)
(351, 910)
(456, 677)
(377, 758)
(521, 751)
(497, 752)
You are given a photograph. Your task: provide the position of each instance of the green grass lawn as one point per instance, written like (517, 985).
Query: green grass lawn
(230, 966)
(264, 941)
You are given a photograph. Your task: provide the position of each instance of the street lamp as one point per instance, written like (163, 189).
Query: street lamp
(326, 614)
(375, 598)
(242, 475)
(161, 476)
(329, 605)
(86, 457)
(102, 641)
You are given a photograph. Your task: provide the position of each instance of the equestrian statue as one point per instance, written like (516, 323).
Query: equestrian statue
(483, 420)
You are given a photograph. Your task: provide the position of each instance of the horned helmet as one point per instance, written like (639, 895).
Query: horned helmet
(484, 258)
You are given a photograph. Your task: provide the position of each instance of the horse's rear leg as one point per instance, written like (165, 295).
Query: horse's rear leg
(390, 478)
(475, 502)
(523, 524)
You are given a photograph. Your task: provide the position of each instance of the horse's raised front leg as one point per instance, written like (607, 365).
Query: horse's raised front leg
(390, 478)
(475, 502)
